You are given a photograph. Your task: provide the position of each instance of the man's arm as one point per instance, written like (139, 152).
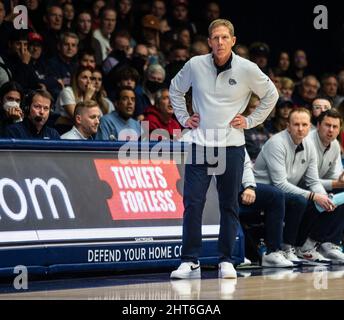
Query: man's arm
(248, 182)
(262, 86)
(180, 84)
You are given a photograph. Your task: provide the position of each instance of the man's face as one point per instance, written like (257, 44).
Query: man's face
(55, 18)
(126, 104)
(108, 23)
(69, 47)
(88, 61)
(309, 89)
(35, 49)
(19, 46)
(298, 126)
(328, 130)
(221, 42)
(39, 110)
(165, 104)
(122, 44)
(319, 106)
(88, 121)
(159, 8)
(330, 86)
(32, 4)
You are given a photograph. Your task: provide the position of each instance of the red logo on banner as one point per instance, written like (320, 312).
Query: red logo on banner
(142, 191)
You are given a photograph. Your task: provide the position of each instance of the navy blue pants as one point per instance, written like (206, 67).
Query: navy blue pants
(196, 183)
(295, 207)
(271, 201)
(324, 226)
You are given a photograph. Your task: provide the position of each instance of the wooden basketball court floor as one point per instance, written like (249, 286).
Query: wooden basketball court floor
(306, 283)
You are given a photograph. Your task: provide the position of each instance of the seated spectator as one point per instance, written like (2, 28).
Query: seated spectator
(139, 59)
(41, 68)
(257, 136)
(121, 51)
(86, 121)
(107, 26)
(279, 121)
(299, 69)
(18, 61)
(259, 54)
(34, 124)
(287, 88)
(319, 106)
(307, 92)
(329, 89)
(160, 116)
(11, 97)
(283, 64)
(87, 59)
(119, 125)
(86, 40)
(242, 51)
(68, 17)
(100, 96)
(153, 81)
(82, 89)
(199, 46)
(53, 19)
(63, 64)
(123, 77)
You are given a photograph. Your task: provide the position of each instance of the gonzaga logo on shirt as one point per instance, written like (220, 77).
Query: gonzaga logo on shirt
(232, 82)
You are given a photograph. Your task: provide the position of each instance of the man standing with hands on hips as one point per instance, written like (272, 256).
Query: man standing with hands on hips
(222, 83)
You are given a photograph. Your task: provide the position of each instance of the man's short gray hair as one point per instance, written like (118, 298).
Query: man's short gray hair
(221, 22)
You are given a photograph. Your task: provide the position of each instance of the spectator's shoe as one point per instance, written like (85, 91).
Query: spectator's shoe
(312, 255)
(332, 251)
(187, 288)
(276, 260)
(227, 288)
(289, 254)
(187, 270)
(227, 271)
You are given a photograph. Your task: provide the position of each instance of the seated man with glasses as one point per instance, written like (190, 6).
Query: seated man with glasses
(319, 105)
(36, 116)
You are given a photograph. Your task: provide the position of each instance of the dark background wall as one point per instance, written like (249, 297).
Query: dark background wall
(288, 25)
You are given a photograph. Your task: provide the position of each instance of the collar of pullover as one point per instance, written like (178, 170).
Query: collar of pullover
(226, 66)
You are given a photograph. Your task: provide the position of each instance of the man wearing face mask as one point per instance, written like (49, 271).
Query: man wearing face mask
(145, 94)
(11, 95)
(34, 124)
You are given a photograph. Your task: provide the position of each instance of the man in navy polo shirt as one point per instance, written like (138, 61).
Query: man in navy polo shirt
(34, 124)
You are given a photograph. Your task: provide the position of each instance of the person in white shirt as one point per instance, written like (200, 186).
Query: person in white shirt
(287, 159)
(86, 121)
(325, 230)
(222, 84)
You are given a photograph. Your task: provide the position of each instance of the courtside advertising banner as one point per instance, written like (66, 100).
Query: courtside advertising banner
(84, 195)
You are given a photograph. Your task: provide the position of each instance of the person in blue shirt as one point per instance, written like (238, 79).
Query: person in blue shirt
(36, 116)
(119, 124)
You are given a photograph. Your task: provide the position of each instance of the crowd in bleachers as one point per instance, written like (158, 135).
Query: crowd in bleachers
(92, 71)
(89, 50)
